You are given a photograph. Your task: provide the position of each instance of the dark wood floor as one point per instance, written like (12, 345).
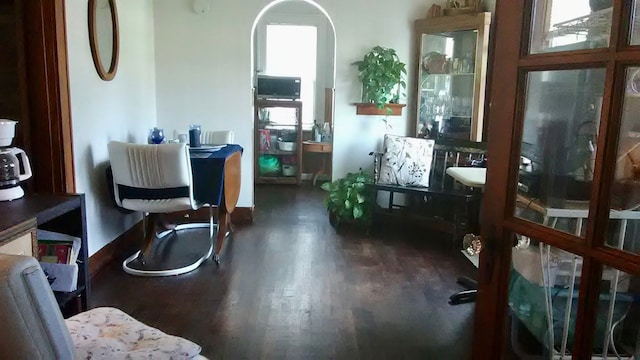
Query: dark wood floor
(290, 287)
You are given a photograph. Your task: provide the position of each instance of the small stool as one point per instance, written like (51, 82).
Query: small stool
(319, 148)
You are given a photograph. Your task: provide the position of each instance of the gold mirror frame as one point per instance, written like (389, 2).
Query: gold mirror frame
(93, 40)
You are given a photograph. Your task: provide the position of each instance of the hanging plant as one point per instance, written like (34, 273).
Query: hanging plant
(382, 76)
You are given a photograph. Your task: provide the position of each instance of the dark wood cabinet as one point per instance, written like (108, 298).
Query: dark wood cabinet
(59, 213)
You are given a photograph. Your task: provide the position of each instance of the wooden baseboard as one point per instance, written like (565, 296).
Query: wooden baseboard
(240, 216)
(131, 240)
(124, 245)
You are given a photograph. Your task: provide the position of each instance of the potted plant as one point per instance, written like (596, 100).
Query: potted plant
(382, 75)
(349, 200)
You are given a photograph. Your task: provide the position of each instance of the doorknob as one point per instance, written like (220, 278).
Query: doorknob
(472, 244)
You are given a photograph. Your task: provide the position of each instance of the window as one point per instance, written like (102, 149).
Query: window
(292, 51)
(561, 25)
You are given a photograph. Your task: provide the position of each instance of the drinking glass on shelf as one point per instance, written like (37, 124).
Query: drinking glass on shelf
(466, 106)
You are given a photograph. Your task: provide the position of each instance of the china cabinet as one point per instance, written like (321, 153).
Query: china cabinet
(451, 74)
(278, 141)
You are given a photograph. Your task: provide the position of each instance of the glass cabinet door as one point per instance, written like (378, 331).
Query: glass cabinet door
(451, 76)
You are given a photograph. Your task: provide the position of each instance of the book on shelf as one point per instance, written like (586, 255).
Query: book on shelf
(58, 254)
(54, 251)
(57, 248)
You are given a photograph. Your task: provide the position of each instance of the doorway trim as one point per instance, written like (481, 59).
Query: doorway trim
(329, 93)
(46, 111)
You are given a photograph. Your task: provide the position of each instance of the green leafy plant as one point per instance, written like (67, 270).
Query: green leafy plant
(349, 200)
(382, 75)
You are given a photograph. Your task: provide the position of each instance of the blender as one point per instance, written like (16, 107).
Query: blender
(14, 163)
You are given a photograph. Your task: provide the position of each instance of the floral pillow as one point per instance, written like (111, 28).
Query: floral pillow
(109, 333)
(406, 161)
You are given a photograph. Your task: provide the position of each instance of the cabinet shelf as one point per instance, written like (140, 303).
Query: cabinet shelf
(289, 180)
(372, 109)
(271, 161)
(58, 213)
(63, 298)
(262, 124)
(277, 152)
(451, 75)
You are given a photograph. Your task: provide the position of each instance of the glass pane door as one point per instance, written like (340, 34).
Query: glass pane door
(559, 137)
(562, 25)
(543, 300)
(564, 141)
(624, 224)
(634, 28)
(618, 316)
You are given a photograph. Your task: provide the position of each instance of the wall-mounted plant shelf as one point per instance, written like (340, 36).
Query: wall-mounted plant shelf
(372, 109)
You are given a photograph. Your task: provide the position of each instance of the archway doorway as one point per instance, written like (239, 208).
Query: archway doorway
(293, 135)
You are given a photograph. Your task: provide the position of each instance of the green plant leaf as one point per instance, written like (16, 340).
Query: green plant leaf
(347, 204)
(357, 212)
(380, 72)
(326, 186)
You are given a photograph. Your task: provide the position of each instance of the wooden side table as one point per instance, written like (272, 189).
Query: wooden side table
(320, 148)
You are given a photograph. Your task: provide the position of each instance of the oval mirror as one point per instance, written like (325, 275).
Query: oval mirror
(104, 37)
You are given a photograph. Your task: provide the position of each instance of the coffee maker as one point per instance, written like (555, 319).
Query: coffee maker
(14, 163)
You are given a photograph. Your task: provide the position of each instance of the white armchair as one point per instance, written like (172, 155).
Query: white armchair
(34, 327)
(157, 179)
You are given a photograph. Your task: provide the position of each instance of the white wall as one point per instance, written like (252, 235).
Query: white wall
(203, 71)
(121, 109)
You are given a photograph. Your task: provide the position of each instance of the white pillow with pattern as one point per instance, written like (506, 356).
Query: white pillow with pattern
(406, 161)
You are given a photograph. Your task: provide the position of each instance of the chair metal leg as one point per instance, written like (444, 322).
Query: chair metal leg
(148, 223)
(151, 236)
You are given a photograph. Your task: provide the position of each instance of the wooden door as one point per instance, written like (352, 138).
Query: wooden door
(560, 269)
(34, 89)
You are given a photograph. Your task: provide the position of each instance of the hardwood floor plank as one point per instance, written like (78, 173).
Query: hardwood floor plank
(290, 287)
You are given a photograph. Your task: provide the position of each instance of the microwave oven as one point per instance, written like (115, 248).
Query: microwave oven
(278, 87)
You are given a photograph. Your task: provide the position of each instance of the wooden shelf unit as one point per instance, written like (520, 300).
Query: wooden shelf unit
(59, 213)
(267, 147)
